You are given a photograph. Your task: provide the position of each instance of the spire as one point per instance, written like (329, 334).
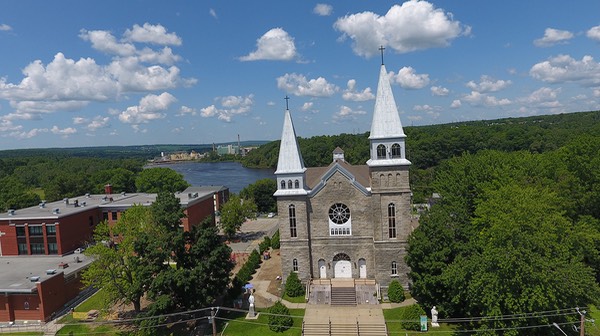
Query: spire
(386, 121)
(290, 159)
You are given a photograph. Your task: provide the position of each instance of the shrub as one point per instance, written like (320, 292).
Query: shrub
(275, 240)
(411, 316)
(293, 285)
(396, 292)
(281, 320)
(264, 245)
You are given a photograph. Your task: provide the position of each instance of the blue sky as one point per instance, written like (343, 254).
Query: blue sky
(95, 73)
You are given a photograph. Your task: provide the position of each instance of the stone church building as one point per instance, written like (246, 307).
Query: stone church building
(344, 221)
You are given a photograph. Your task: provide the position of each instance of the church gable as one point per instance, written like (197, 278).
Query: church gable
(340, 169)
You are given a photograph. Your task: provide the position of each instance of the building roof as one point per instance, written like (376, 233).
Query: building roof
(386, 121)
(16, 272)
(360, 173)
(290, 159)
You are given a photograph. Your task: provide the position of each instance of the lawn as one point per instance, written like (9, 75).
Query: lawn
(87, 329)
(593, 329)
(25, 333)
(238, 325)
(96, 301)
(394, 328)
(295, 299)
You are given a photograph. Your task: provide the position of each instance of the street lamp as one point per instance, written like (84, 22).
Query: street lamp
(557, 327)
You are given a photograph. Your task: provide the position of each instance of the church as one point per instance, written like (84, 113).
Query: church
(347, 221)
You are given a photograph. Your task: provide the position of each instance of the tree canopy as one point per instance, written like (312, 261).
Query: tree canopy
(235, 212)
(261, 192)
(154, 180)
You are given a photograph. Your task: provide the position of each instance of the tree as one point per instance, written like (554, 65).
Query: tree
(396, 292)
(167, 211)
(234, 213)
(293, 285)
(154, 180)
(279, 318)
(262, 192)
(126, 272)
(411, 317)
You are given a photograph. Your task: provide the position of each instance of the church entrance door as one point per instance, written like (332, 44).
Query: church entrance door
(322, 269)
(362, 268)
(342, 268)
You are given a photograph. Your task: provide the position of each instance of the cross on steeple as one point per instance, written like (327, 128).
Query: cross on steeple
(286, 102)
(381, 48)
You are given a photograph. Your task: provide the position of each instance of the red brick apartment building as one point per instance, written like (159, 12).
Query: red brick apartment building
(35, 244)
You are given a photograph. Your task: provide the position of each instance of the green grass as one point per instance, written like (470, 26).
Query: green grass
(240, 326)
(25, 333)
(591, 329)
(85, 329)
(295, 299)
(96, 301)
(394, 328)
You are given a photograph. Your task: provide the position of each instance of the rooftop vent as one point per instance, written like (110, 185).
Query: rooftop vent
(56, 211)
(11, 212)
(84, 203)
(105, 198)
(87, 195)
(51, 271)
(76, 203)
(123, 193)
(34, 278)
(43, 204)
(66, 200)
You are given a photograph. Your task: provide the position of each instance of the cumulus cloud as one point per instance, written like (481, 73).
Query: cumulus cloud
(5, 27)
(432, 111)
(439, 91)
(27, 135)
(408, 79)
(564, 68)
(300, 86)
(154, 34)
(543, 97)
(488, 84)
(553, 36)
(79, 120)
(185, 110)
(323, 9)
(351, 94)
(213, 13)
(414, 25)
(594, 33)
(274, 45)
(98, 122)
(480, 99)
(347, 113)
(151, 107)
(307, 106)
(104, 41)
(65, 132)
(456, 104)
(230, 106)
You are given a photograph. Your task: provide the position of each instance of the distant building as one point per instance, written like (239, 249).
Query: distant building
(228, 149)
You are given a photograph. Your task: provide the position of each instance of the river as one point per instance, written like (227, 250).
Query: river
(229, 174)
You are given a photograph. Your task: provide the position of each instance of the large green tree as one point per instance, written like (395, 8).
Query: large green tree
(262, 192)
(154, 180)
(235, 212)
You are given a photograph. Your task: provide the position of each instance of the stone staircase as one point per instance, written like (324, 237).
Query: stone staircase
(343, 296)
(344, 329)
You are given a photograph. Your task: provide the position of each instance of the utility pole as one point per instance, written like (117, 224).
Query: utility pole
(582, 324)
(212, 319)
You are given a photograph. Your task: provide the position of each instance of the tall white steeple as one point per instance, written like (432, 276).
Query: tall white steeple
(290, 165)
(387, 136)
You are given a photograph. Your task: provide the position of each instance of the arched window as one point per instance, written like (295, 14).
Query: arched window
(396, 153)
(290, 184)
(381, 152)
(26, 305)
(292, 215)
(296, 184)
(282, 184)
(392, 220)
(394, 268)
(295, 265)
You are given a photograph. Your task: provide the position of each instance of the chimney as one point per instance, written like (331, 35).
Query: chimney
(108, 189)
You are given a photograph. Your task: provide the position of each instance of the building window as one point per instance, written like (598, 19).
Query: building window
(36, 231)
(50, 230)
(282, 184)
(26, 305)
(91, 220)
(339, 213)
(52, 248)
(23, 248)
(295, 265)
(37, 248)
(113, 215)
(105, 216)
(396, 152)
(394, 268)
(392, 220)
(289, 184)
(381, 152)
(292, 215)
(20, 231)
(296, 184)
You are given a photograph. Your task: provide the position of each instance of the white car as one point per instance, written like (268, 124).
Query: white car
(271, 215)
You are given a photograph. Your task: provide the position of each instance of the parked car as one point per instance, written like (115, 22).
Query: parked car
(271, 215)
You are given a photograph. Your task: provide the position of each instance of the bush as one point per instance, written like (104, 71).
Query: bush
(396, 292)
(411, 317)
(275, 240)
(293, 285)
(264, 245)
(281, 320)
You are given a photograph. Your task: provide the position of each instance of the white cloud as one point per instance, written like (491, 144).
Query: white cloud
(213, 13)
(230, 106)
(456, 104)
(408, 79)
(27, 135)
(5, 27)
(594, 33)
(415, 25)
(79, 120)
(134, 77)
(564, 68)
(151, 107)
(479, 99)
(98, 122)
(300, 86)
(164, 56)
(38, 108)
(323, 9)
(185, 110)
(488, 84)
(543, 97)
(154, 34)
(439, 91)
(7, 125)
(274, 45)
(307, 106)
(65, 132)
(553, 36)
(347, 113)
(432, 111)
(104, 41)
(596, 92)
(351, 94)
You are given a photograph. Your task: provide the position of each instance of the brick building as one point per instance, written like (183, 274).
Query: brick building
(345, 221)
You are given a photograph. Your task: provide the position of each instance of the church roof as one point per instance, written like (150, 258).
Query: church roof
(314, 175)
(338, 150)
(386, 121)
(290, 159)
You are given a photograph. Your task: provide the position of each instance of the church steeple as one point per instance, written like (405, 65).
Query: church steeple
(387, 136)
(290, 165)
